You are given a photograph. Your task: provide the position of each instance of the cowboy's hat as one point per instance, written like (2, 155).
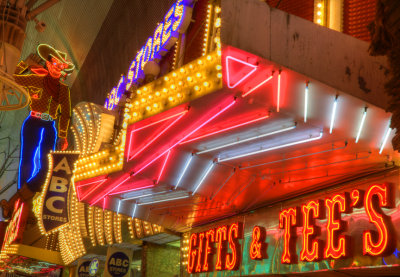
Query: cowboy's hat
(45, 51)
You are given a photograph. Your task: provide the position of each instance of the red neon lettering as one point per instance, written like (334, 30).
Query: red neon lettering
(312, 248)
(221, 238)
(192, 253)
(210, 238)
(258, 246)
(289, 219)
(335, 226)
(199, 252)
(357, 197)
(233, 259)
(376, 243)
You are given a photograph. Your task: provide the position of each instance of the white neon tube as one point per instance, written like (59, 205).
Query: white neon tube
(333, 115)
(246, 140)
(361, 124)
(119, 205)
(204, 177)
(134, 211)
(305, 103)
(388, 131)
(269, 149)
(137, 196)
(184, 170)
(164, 200)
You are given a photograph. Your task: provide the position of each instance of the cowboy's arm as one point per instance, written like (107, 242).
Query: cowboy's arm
(65, 109)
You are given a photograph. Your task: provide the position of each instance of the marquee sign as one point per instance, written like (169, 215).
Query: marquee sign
(53, 202)
(175, 22)
(378, 238)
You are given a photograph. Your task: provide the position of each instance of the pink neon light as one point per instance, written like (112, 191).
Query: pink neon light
(161, 120)
(279, 92)
(101, 195)
(82, 184)
(146, 164)
(93, 189)
(130, 190)
(78, 193)
(129, 144)
(163, 167)
(135, 129)
(19, 218)
(226, 129)
(155, 138)
(104, 202)
(244, 77)
(257, 86)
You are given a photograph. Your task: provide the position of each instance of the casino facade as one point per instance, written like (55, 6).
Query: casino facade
(245, 138)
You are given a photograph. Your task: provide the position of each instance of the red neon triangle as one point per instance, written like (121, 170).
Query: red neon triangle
(237, 71)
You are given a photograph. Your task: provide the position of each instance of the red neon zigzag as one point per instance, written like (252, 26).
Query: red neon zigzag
(163, 166)
(147, 163)
(156, 137)
(228, 58)
(129, 144)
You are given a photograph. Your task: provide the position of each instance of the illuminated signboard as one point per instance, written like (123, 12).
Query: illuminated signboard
(219, 249)
(52, 206)
(175, 22)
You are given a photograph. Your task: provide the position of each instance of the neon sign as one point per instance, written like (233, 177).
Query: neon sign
(223, 242)
(166, 34)
(228, 249)
(258, 246)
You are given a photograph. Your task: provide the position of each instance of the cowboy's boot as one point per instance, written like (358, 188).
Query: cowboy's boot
(24, 193)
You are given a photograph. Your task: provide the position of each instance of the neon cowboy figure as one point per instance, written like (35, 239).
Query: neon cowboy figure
(50, 99)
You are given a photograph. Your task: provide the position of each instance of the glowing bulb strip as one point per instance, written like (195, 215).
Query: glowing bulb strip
(270, 149)
(226, 129)
(333, 115)
(278, 100)
(246, 140)
(257, 86)
(388, 131)
(156, 137)
(361, 124)
(184, 171)
(305, 102)
(203, 177)
(163, 167)
(254, 68)
(163, 200)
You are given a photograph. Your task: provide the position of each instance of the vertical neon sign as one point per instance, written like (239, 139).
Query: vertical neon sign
(176, 21)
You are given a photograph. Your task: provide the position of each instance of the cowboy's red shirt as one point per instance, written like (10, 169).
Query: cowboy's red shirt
(43, 100)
